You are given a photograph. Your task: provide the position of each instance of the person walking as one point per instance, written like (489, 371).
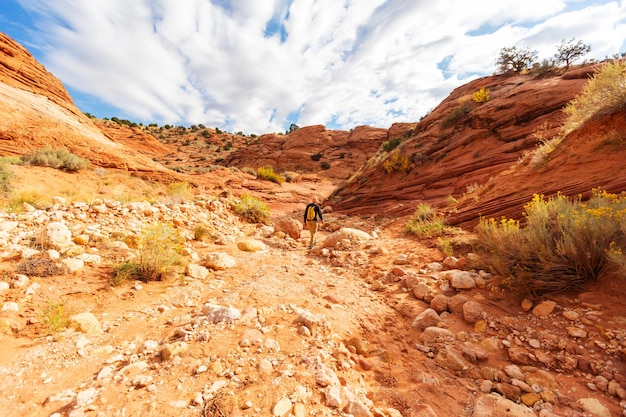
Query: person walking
(313, 214)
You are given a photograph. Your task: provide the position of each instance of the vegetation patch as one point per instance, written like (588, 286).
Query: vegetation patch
(267, 173)
(604, 93)
(426, 222)
(481, 96)
(159, 246)
(59, 158)
(252, 209)
(398, 162)
(54, 316)
(564, 243)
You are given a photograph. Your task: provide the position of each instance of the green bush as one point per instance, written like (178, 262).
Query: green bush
(59, 158)
(563, 244)
(316, 157)
(426, 222)
(159, 246)
(604, 93)
(391, 144)
(54, 316)
(252, 209)
(267, 173)
(457, 113)
(5, 178)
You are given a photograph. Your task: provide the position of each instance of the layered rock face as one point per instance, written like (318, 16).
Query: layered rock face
(329, 153)
(474, 154)
(38, 111)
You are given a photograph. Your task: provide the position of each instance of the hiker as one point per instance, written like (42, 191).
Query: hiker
(312, 213)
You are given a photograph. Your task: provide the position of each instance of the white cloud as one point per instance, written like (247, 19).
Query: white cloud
(341, 63)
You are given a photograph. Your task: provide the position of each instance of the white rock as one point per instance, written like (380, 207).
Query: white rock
(10, 306)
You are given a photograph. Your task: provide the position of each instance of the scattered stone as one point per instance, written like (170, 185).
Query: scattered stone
(594, 407)
(10, 306)
(219, 261)
(282, 407)
(196, 271)
(426, 318)
(219, 314)
(289, 226)
(544, 308)
(86, 323)
(494, 405)
(250, 245)
(526, 304)
(435, 335)
(472, 312)
(439, 303)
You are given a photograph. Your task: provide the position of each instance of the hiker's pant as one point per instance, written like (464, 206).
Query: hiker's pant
(313, 230)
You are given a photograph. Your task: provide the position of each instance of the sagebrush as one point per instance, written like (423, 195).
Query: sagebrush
(59, 158)
(159, 247)
(563, 243)
(252, 209)
(604, 93)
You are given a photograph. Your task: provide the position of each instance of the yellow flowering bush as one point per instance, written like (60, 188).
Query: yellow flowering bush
(563, 243)
(481, 95)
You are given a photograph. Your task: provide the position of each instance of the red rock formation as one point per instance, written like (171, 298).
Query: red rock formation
(310, 148)
(37, 111)
(464, 149)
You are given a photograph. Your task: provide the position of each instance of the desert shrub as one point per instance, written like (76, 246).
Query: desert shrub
(426, 222)
(59, 158)
(391, 144)
(54, 316)
(398, 162)
(5, 178)
(11, 160)
(201, 232)
(249, 171)
(316, 156)
(178, 191)
(17, 200)
(564, 243)
(604, 93)
(325, 165)
(252, 209)
(457, 113)
(481, 95)
(267, 173)
(159, 247)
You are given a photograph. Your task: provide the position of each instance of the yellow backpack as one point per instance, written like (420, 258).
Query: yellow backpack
(310, 212)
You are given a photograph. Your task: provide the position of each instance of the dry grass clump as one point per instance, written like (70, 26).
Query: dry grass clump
(40, 266)
(564, 243)
(267, 173)
(426, 222)
(252, 209)
(604, 93)
(398, 162)
(59, 158)
(159, 247)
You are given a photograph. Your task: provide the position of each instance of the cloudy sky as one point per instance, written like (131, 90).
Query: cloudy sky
(257, 66)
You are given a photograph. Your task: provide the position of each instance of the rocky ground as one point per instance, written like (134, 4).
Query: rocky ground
(372, 322)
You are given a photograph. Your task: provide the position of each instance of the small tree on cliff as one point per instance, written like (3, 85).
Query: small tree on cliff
(515, 59)
(569, 52)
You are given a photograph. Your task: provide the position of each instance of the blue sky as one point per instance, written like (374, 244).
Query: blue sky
(258, 66)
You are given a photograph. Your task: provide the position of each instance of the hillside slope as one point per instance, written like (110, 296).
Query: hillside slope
(471, 153)
(370, 323)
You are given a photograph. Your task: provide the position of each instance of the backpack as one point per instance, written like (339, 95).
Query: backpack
(310, 212)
